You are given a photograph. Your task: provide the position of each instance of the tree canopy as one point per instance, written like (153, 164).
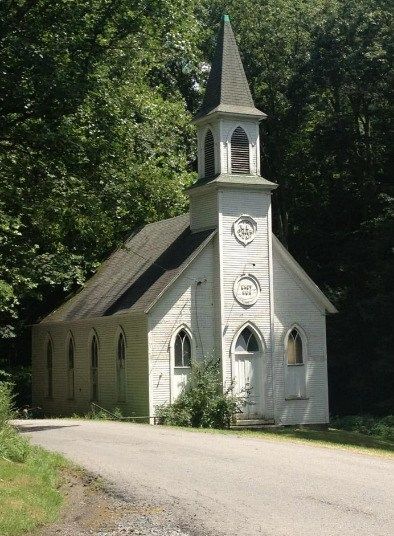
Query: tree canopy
(96, 100)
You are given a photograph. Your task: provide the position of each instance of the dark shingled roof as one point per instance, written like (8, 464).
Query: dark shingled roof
(133, 277)
(227, 88)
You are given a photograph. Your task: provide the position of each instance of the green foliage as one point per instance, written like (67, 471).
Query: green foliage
(12, 445)
(96, 99)
(202, 403)
(29, 492)
(367, 424)
(95, 138)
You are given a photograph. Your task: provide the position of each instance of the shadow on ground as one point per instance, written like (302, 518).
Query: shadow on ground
(40, 428)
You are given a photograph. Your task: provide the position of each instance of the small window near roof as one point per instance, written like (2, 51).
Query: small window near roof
(294, 348)
(240, 151)
(209, 154)
(247, 341)
(183, 350)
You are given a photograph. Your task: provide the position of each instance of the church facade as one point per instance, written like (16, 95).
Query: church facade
(214, 282)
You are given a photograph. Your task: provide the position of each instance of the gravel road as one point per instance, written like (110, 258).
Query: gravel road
(224, 484)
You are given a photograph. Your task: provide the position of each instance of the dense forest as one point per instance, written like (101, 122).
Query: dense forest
(96, 100)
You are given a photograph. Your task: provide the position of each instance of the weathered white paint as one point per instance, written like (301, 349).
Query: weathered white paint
(294, 307)
(188, 303)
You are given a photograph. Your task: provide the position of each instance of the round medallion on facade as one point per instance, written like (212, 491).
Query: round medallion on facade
(245, 229)
(246, 289)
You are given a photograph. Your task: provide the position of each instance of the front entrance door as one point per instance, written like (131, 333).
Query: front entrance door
(248, 375)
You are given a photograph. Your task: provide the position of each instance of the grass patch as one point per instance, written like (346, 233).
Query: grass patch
(331, 438)
(29, 476)
(29, 494)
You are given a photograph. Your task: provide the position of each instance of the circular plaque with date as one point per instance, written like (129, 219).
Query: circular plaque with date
(246, 289)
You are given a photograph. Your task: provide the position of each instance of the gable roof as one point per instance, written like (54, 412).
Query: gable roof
(309, 286)
(133, 277)
(227, 88)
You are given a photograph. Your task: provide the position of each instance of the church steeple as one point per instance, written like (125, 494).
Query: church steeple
(227, 88)
(228, 121)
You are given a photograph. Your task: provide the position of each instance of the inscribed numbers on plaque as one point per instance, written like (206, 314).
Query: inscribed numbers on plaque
(246, 289)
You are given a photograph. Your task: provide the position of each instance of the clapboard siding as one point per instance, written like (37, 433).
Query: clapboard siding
(107, 329)
(185, 302)
(294, 306)
(204, 212)
(237, 259)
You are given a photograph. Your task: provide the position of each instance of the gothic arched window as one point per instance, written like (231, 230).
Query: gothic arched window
(247, 342)
(183, 349)
(121, 367)
(209, 155)
(70, 367)
(294, 351)
(240, 151)
(94, 368)
(49, 356)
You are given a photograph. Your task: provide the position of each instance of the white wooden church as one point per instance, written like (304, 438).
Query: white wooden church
(212, 282)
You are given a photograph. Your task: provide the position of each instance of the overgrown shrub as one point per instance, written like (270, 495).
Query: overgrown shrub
(12, 445)
(202, 403)
(367, 424)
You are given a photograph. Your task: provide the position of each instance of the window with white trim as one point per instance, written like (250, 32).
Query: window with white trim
(294, 353)
(121, 367)
(295, 364)
(247, 342)
(240, 159)
(182, 349)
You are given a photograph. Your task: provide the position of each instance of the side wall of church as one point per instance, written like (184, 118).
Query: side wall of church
(292, 307)
(204, 211)
(237, 259)
(188, 302)
(107, 330)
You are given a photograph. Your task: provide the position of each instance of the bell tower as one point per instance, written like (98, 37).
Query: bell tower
(228, 144)
(231, 196)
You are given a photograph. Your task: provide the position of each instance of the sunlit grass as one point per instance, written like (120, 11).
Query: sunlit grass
(29, 495)
(330, 437)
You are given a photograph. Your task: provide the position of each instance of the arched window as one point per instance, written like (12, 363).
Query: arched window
(247, 342)
(94, 368)
(49, 369)
(294, 353)
(70, 367)
(240, 152)
(209, 154)
(183, 349)
(295, 370)
(121, 367)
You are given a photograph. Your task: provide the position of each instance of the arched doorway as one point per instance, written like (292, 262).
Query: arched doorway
(247, 372)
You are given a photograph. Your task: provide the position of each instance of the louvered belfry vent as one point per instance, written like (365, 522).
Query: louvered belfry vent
(240, 152)
(209, 155)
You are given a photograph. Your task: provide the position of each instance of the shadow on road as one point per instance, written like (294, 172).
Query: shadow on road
(40, 428)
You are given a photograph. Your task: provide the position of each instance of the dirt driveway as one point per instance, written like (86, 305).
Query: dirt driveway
(231, 485)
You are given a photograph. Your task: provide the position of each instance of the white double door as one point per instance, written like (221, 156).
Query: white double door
(248, 383)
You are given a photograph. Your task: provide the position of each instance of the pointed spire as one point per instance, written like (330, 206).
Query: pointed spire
(227, 88)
